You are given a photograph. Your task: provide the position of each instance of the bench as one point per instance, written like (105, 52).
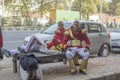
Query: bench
(42, 58)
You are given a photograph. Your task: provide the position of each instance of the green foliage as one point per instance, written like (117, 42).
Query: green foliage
(43, 6)
(75, 6)
(105, 7)
(117, 10)
(115, 7)
(90, 6)
(87, 6)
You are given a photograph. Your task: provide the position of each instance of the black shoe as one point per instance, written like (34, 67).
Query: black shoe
(77, 64)
(6, 52)
(82, 72)
(73, 73)
(1, 56)
(21, 50)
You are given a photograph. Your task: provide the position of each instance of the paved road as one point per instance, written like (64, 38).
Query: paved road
(13, 39)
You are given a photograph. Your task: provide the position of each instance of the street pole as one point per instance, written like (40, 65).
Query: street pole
(80, 9)
(101, 6)
(2, 12)
(101, 10)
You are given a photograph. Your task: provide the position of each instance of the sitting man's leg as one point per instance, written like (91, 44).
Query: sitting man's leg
(9, 53)
(56, 47)
(70, 55)
(75, 58)
(31, 45)
(85, 56)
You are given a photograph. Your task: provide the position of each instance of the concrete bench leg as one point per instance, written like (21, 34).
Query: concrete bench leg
(25, 76)
(14, 59)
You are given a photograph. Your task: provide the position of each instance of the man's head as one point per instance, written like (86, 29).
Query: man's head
(76, 24)
(60, 24)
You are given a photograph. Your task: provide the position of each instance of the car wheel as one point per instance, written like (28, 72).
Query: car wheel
(104, 51)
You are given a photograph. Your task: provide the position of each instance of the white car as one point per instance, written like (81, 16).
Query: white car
(115, 40)
(41, 21)
(96, 32)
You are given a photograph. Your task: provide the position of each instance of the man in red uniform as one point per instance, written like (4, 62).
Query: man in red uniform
(59, 34)
(73, 42)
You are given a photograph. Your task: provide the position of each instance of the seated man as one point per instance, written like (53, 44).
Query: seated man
(59, 34)
(34, 43)
(75, 35)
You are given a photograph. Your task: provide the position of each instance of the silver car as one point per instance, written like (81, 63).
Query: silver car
(115, 40)
(96, 32)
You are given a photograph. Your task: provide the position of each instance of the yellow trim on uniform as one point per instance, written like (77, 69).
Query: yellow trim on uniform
(75, 59)
(53, 48)
(75, 43)
(83, 65)
(84, 31)
(57, 48)
(72, 65)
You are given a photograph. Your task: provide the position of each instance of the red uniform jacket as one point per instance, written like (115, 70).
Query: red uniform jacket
(59, 34)
(80, 36)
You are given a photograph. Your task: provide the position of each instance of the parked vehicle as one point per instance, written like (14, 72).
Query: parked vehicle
(41, 21)
(1, 43)
(115, 40)
(96, 32)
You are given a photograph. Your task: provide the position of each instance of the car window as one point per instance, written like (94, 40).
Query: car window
(67, 25)
(54, 27)
(94, 28)
(82, 25)
(116, 30)
(51, 29)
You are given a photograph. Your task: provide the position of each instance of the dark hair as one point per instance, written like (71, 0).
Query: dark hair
(60, 22)
(76, 21)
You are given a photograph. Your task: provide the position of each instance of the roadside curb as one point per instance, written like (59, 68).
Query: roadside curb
(99, 68)
(13, 29)
(106, 76)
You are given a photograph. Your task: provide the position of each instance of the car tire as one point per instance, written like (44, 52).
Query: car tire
(101, 52)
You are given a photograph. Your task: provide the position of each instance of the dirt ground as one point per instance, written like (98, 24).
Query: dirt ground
(58, 71)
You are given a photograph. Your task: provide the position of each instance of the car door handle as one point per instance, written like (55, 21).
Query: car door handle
(100, 34)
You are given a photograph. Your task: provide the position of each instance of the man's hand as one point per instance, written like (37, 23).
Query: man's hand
(86, 50)
(63, 50)
(69, 49)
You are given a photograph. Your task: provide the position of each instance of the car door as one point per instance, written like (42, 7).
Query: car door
(1, 39)
(97, 36)
(1, 43)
